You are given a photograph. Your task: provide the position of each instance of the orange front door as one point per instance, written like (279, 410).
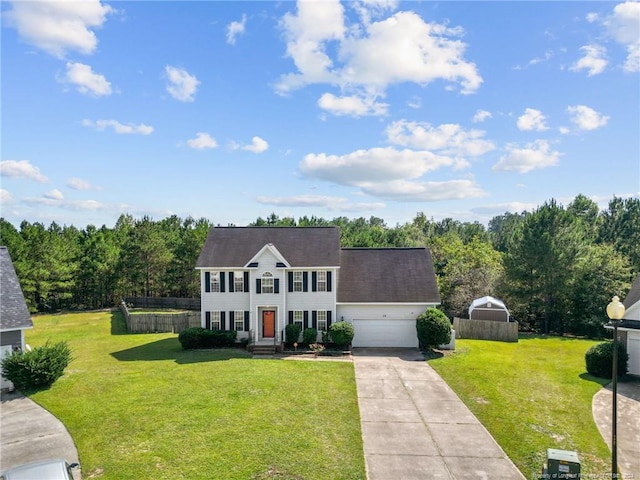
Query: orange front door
(268, 323)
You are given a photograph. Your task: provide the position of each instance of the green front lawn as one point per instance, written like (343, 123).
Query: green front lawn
(140, 407)
(531, 395)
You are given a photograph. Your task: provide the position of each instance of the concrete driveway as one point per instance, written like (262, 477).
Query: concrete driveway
(29, 433)
(415, 427)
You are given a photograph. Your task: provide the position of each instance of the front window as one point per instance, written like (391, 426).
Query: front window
(215, 320)
(267, 283)
(297, 281)
(322, 320)
(238, 320)
(322, 281)
(297, 318)
(238, 284)
(215, 281)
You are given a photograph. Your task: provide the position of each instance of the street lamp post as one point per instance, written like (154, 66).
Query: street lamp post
(615, 312)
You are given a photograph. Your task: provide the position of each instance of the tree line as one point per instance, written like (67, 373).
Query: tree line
(555, 267)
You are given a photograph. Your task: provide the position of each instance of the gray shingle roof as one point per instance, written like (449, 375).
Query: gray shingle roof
(234, 247)
(634, 294)
(391, 275)
(14, 314)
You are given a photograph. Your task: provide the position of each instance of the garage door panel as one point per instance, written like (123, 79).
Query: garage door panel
(633, 348)
(385, 333)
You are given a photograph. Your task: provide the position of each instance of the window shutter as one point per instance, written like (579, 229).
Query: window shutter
(328, 319)
(246, 320)
(207, 316)
(232, 320)
(305, 323)
(314, 319)
(290, 281)
(246, 281)
(207, 281)
(305, 281)
(231, 282)
(276, 285)
(314, 281)
(328, 281)
(222, 323)
(290, 317)
(222, 277)
(258, 285)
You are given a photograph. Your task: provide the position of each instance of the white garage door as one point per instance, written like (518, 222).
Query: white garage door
(5, 350)
(385, 333)
(633, 348)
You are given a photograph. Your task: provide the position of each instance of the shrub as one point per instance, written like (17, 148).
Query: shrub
(599, 360)
(309, 336)
(39, 368)
(341, 333)
(191, 337)
(433, 329)
(291, 333)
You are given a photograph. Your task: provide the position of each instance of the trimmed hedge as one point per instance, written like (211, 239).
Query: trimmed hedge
(309, 336)
(39, 368)
(599, 360)
(198, 337)
(433, 328)
(341, 333)
(291, 334)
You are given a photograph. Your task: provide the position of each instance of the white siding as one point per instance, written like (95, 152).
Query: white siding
(633, 348)
(223, 301)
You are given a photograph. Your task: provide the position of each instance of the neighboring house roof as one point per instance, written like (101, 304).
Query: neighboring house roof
(235, 247)
(14, 314)
(632, 305)
(480, 302)
(387, 275)
(633, 296)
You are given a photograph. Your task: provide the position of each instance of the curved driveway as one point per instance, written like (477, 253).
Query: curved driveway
(415, 427)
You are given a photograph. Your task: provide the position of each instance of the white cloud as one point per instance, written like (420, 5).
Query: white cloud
(586, 118)
(532, 119)
(501, 208)
(450, 139)
(118, 127)
(594, 60)
(257, 145)
(234, 29)
(59, 26)
(182, 85)
(406, 191)
(532, 156)
(203, 141)
(481, 115)
(5, 196)
(54, 194)
(351, 105)
(78, 184)
(331, 203)
(371, 56)
(51, 199)
(86, 81)
(21, 169)
(592, 17)
(368, 9)
(624, 26)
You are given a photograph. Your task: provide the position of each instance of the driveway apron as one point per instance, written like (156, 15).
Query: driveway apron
(415, 427)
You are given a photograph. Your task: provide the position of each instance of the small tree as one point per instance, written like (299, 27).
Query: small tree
(39, 368)
(433, 329)
(309, 336)
(291, 334)
(341, 333)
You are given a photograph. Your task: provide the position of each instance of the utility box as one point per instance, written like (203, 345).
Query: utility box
(562, 464)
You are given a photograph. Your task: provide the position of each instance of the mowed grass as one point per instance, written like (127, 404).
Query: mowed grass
(139, 407)
(531, 395)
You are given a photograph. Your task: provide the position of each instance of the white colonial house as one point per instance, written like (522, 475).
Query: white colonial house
(256, 280)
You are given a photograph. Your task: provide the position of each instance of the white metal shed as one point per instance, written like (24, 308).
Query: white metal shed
(488, 308)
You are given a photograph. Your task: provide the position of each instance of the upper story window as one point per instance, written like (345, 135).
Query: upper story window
(267, 282)
(215, 281)
(238, 281)
(322, 281)
(297, 281)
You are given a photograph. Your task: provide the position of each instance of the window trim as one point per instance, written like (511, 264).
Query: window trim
(321, 279)
(267, 283)
(238, 318)
(320, 313)
(299, 321)
(214, 281)
(214, 314)
(238, 281)
(297, 281)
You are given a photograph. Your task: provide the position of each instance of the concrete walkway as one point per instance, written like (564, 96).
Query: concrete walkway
(628, 424)
(29, 433)
(415, 427)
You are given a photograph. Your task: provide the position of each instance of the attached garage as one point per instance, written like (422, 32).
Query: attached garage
(633, 347)
(385, 333)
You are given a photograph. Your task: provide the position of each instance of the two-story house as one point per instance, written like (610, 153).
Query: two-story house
(256, 280)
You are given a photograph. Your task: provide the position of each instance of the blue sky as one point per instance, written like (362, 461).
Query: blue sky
(234, 110)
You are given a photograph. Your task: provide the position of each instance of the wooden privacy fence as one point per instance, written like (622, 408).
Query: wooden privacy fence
(486, 330)
(159, 322)
(164, 302)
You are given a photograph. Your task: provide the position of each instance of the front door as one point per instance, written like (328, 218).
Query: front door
(268, 323)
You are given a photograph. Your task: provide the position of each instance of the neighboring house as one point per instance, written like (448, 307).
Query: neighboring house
(256, 280)
(488, 308)
(630, 327)
(14, 314)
